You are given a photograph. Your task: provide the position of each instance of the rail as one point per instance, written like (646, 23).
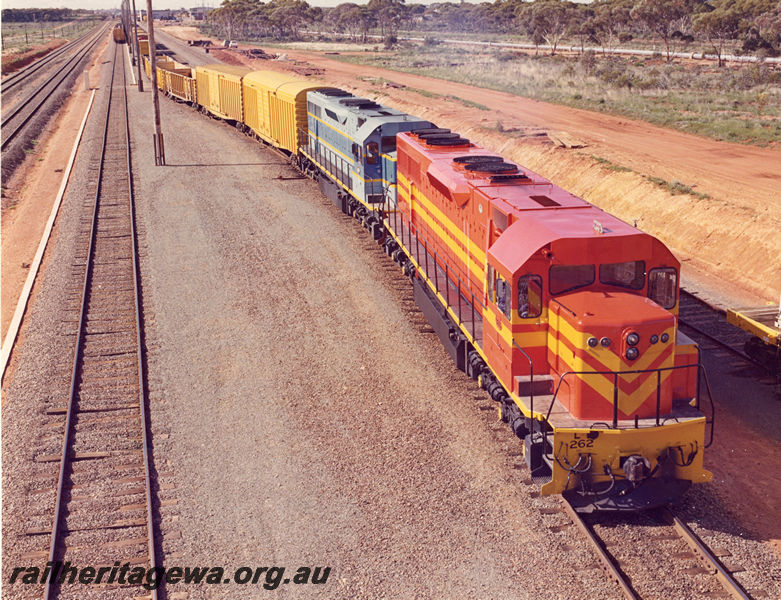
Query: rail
(62, 73)
(612, 567)
(104, 287)
(707, 556)
(15, 78)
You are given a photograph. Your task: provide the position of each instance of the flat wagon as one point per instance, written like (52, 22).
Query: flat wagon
(764, 323)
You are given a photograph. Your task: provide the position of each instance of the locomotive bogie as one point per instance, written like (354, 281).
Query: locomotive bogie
(565, 315)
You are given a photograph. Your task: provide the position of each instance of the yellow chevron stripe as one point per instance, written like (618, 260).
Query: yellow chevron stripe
(452, 227)
(603, 355)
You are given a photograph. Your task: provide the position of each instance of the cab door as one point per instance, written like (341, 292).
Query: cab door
(497, 333)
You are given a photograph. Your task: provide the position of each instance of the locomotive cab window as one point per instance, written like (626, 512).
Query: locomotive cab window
(372, 153)
(629, 274)
(565, 278)
(357, 152)
(663, 286)
(530, 296)
(503, 296)
(388, 144)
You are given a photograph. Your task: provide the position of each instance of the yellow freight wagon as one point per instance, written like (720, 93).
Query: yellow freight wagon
(275, 107)
(180, 83)
(219, 90)
(162, 66)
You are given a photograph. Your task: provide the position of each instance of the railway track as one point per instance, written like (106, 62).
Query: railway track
(23, 115)
(103, 513)
(12, 81)
(709, 328)
(669, 531)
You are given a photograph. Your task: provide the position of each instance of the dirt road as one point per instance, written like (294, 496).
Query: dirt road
(717, 168)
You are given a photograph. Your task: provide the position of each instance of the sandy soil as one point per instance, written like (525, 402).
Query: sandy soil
(13, 61)
(740, 220)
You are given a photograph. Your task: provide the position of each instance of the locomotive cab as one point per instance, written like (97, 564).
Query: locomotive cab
(354, 140)
(582, 331)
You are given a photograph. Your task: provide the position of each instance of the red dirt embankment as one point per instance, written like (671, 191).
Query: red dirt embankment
(14, 62)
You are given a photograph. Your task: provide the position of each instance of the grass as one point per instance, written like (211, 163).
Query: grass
(736, 103)
(20, 37)
(610, 166)
(382, 81)
(675, 187)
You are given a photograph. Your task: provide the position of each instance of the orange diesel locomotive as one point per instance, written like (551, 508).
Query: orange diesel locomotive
(566, 315)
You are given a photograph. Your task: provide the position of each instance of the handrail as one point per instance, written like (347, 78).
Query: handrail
(698, 365)
(531, 381)
(616, 374)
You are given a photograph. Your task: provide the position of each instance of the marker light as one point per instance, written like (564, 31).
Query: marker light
(592, 341)
(665, 337)
(605, 341)
(654, 338)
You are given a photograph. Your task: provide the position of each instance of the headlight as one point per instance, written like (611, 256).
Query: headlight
(592, 341)
(605, 341)
(654, 338)
(665, 337)
(632, 353)
(632, 339)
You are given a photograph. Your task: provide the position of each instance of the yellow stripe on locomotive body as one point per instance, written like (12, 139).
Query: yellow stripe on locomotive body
(565, 314)
(583, 300)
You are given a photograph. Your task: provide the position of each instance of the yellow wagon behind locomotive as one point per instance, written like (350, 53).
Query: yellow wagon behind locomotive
(173, 78)
(275, 107)
(219, 90)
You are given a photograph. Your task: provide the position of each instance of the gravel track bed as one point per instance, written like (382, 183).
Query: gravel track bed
(35, 400)
(305, 417)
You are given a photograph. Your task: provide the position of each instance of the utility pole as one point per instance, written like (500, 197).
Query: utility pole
(158, 136)
(137, 49)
